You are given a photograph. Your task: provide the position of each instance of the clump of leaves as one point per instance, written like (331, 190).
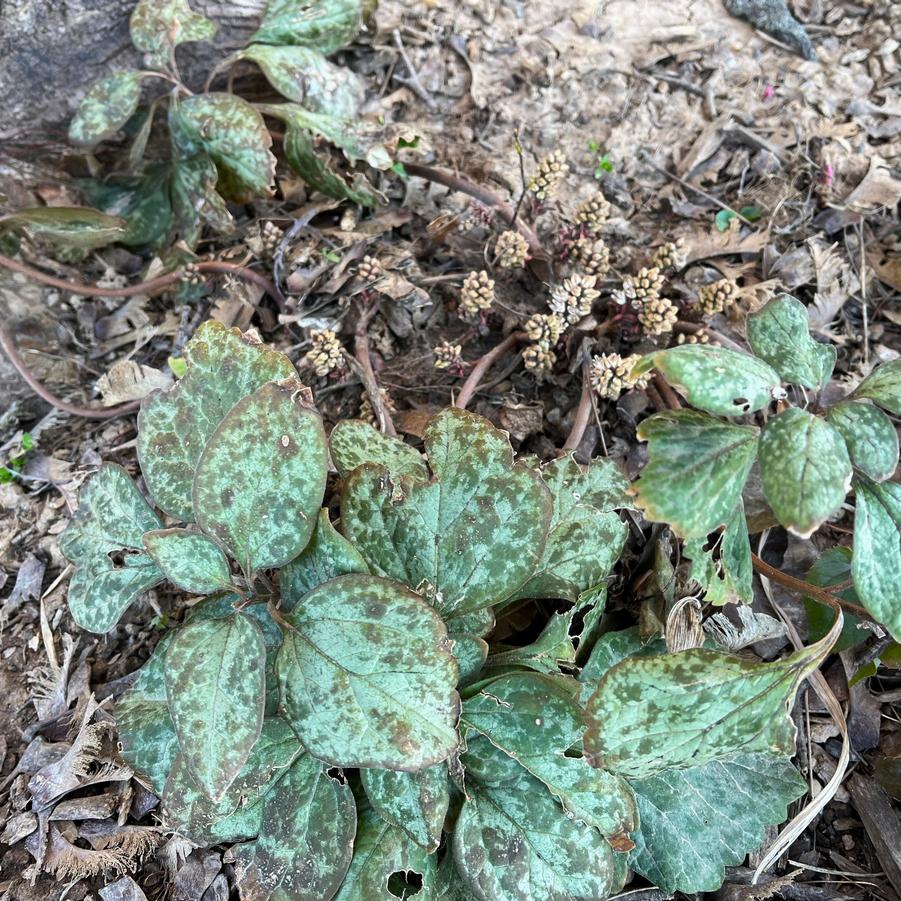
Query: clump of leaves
(809, 457)
(334, 700)
(219, 143)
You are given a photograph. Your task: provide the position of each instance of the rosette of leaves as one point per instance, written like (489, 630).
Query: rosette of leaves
(809, 459)
(333, 700)
(219, 144)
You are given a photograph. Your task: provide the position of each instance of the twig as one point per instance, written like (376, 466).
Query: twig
(483, 195)
(413, 82)
(583, 414)
(361, 362)
(483, 365)
(818, 594)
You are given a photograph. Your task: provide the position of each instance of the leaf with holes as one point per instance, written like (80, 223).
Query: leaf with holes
(716, 380)
(216, 689)
(696, 469)
(722, 568)
(585, 536)
(876, 562)
(260, 480)
(883, 386)
(804, 468)
(233, 134)
(325, 25)
(414, 802)
(535, 720)
(354, 443)
(159, 26)
(223, 366)
(327, 556)
(103, 540)
(870, 437)
(697, 821)
(471, 536)
(73, 227)
(358, 696)
(779, 334)
(512, 841)
(190, 560)
(108, 105)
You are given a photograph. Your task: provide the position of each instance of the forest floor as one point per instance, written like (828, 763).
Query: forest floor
(681, 115)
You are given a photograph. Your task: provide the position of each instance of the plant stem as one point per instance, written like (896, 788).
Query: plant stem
(813, 591)
(666, 392)
(362, 364)
(483, 365)
(583, 415)
(483, 195)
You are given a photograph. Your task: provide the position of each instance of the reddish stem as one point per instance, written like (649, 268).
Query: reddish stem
(471, 384)
(666, 392)
(582, 417)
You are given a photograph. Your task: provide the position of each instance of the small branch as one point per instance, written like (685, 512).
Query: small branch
(413, 83)
(818, 594)
(583, 414)
(483, 195)
(361, 362)
(471, 384)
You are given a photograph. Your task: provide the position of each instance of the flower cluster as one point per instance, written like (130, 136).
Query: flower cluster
(717, 296)
(572, 300)
(326, 354)
(447, 356)
(645, 284)
(550, 173)
(544, 329)
(657, 315)
(368, 269)
(476, 295)
(511, 250)
(670, 256)
(593, 213)
(539, 359)
(592, 255)
(367, 414)
(610, 375)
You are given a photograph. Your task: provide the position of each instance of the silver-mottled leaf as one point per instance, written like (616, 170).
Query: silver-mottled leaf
(190, 560)
(354, 442)
(108, 105)
(883, 386)
(870, 436)
(325, 25)
(159, 26)
(723, 570)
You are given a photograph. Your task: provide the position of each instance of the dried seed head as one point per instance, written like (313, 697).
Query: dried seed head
(538, 359)
(592, 255)
(544, 329)
(476, 295)
(270, 237)
(594, 212)
(610, 375)
(671, 256)
(550, 173)
(511, 250)
(572, 300)
(368, 268)
(717, 296)
(191, 275)
(700, 337)
(646, 283)
(367, 414)
(325, 355)
(447, 356)
(658, 315)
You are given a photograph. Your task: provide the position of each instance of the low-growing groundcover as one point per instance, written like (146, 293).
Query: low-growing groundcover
(334, 703)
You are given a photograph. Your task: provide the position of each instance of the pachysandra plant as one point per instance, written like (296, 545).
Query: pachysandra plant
(219, 144)
(333, 701)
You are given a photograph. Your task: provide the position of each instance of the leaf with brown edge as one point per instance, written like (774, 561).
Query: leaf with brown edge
(696, 470)
(261, 478)
(107, 106)
(173, 426)
(468, 538)
(159, 26)
(356, 695)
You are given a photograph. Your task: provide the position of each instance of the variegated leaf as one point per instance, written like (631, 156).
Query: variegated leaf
(883, 386)
(325, 25)
(75, 227)
(870, 437)
(723, 570)
(190, 560)
(354, 442)
(159, 26)
(108, 105)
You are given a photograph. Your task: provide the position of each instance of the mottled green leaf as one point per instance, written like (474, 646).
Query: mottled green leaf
(832, 568)
(553, 647)
(697, 467)
(470, 652)
(512, 841)
(722, 568)
(192, 561)
(414, 802)
(159, 26)
(233, 133)
(609, 650)
(327, 556)
(354, 442)
(779, 334)
(239, 814)
(686, 709)
(216, 689)
(876, 564)
(147, 739)
(804, 468)
(715, 379)
(471, 536)
(383, 857)
(195, 201)
(107, 106)
(325, 25)
(870, 437)
(103, 540)
(261, 477)
(173, 427)
(883, 386)
(697, 821)
(306, 838)
(536, 721)
(305, 76)
(586, 537)
(368, 679)
(79, 228)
